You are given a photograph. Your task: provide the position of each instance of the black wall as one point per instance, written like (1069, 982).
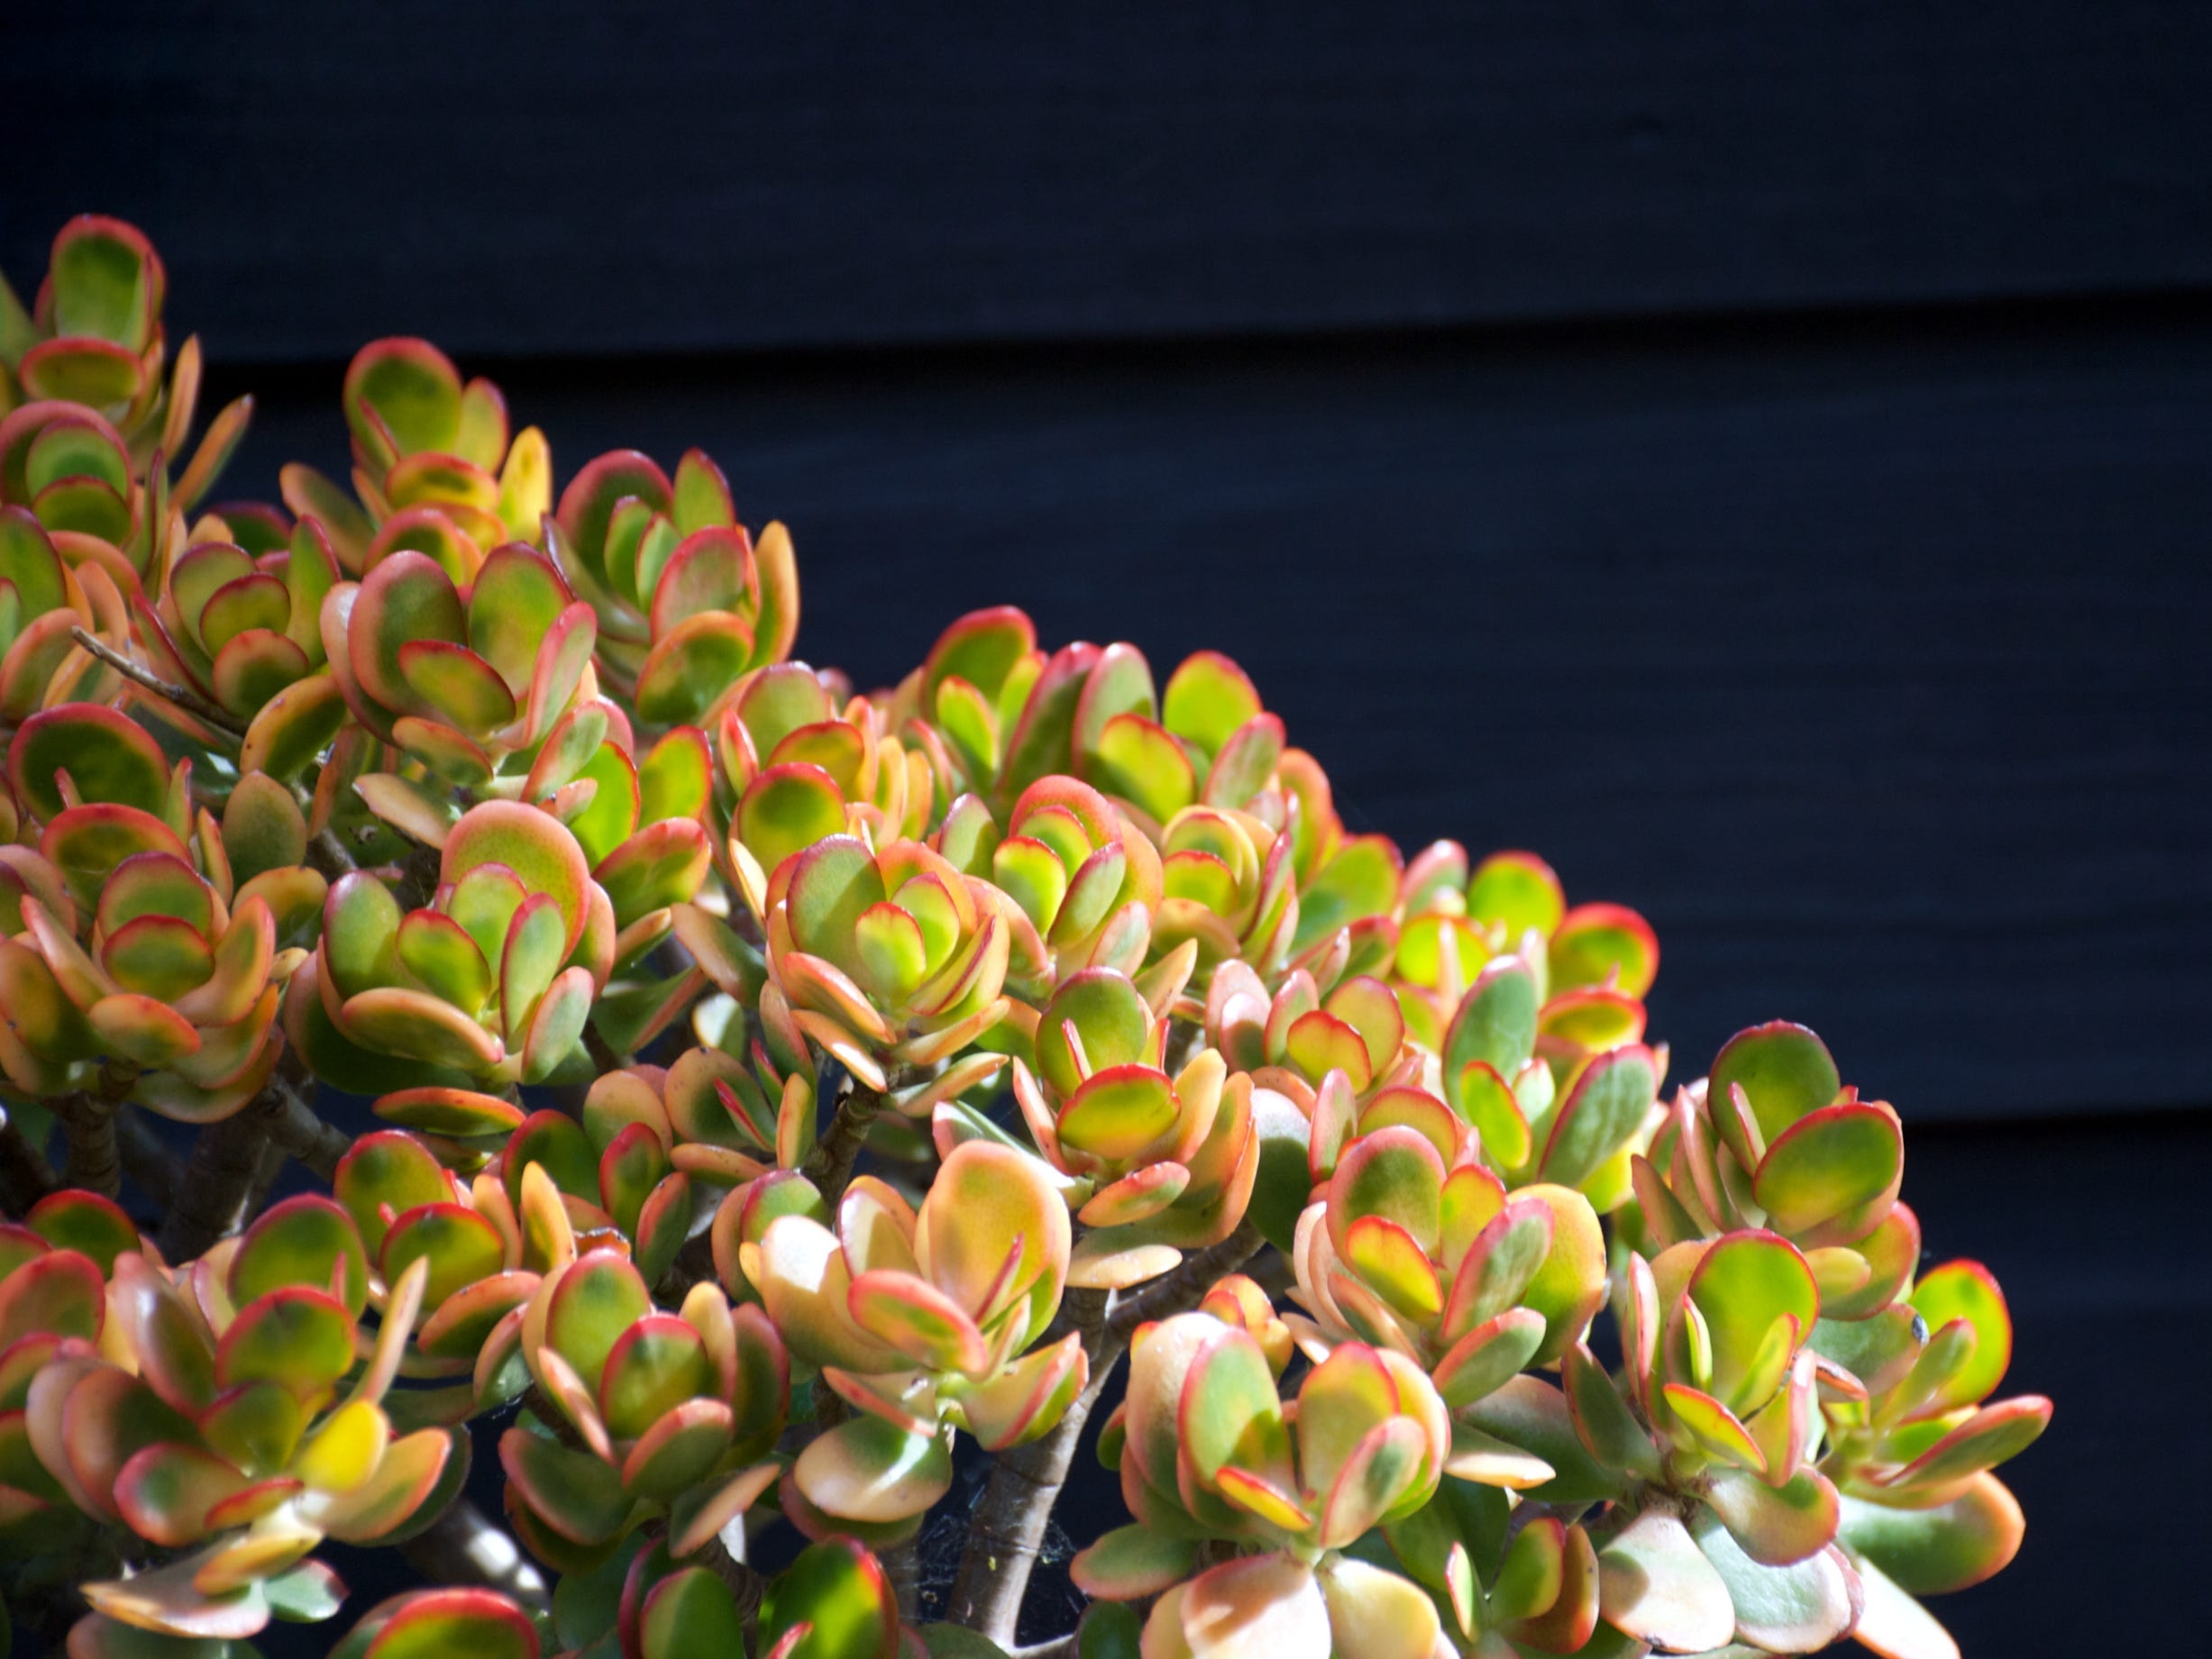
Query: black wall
(1760, 457)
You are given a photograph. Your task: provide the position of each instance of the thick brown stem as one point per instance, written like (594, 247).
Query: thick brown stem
(1007, 1532)
(1178, 1291)
(541, 1406)
(327, 856)
(830, 1166)
(743, 1582)
(418, 878)
(96, 1163)
(217, 1182)
(183, 696)
(266, 1174)
(25, 1177)
(465, 1546)
(300, 1135)
(603, 1057)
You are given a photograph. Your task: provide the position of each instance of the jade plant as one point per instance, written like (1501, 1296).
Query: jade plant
(800, 1112)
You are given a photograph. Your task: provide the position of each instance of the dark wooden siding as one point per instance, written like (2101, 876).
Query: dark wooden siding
(577, 177)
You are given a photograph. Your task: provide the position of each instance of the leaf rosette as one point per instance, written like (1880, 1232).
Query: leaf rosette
(493, 979)
(243, 629)
(43, 599)
(1207, 1450)
(688, 603)
(1772, 1138)
(1153, 1163)
(1719, 1527)
(1591, 965)
(236, 1411)
(467, 681)
(646, 1415)
(140, 957)
(1076, 884)
(796, 760)
(921, 1319)
(1912, 1445)
(436, 467)
(1435, 1262)
(92, 410)
(886, 960)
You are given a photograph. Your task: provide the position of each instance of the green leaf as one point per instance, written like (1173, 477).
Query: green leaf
(1603, 1107)
(1831, 1162)
(839, 1588)
(1516, 892)
(1931, 1552)
(1495, 1023)
(1786, 1071)
(1967, 1291)
(958, 1642)
(1108, 1630)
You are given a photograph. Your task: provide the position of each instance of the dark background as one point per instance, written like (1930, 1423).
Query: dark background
(1759, 457)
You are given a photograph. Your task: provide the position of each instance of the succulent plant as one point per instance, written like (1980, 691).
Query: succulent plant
(433, 467)
(141, 960)
(1591, 965)
(774, 1083)
(1083, 881)
(833, 1601)
(467, 681)
(453, 1620)
(245, 630)
(669, 1413)
(1156, 1165)
(494, 978)
(797, 759)
(1435, 1262)
(234, 1411)
(43, 601)
(919, 1317)
(1911, 1446)
(1771, 1138)
(1721, 1528)
(884, 959)
(1503, 1584)
(1207, 1449)
(88, 420)
(688, 603)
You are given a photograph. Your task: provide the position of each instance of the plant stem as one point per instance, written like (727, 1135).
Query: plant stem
(830, 1165)
(1007, 1532)
(266, 1174)
(95, 1162)
(183, 696)
(327, 856)
(217, 1182)
(743, 1582)
(465, 1546)
(300, 1133)
(602, 1056)
(418, 878)
(540, 1405)
(1178, 1291)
